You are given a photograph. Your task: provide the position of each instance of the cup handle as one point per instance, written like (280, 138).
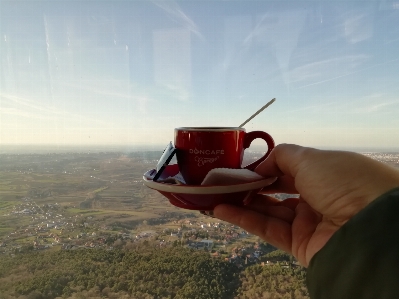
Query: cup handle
(251, 136)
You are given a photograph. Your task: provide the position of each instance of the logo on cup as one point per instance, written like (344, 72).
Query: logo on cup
(202, 161)
(206, 152)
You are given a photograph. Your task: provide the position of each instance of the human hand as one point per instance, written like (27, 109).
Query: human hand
(333, 187)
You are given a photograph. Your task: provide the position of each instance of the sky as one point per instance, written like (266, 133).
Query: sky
(128, 72)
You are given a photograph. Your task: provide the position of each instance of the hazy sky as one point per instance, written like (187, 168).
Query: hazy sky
(129, 72)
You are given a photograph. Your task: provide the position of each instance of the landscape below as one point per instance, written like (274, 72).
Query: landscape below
(82, 225)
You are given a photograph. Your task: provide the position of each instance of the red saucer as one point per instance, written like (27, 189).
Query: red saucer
(205, 197)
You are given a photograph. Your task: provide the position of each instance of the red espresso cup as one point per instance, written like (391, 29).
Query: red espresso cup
(201, 149)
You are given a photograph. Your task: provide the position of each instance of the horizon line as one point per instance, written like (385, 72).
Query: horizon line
(42, 147)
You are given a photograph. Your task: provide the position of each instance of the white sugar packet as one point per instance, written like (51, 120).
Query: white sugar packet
(228, 176)
(219, 176)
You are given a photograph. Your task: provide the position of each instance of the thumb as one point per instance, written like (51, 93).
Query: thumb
(283, 160)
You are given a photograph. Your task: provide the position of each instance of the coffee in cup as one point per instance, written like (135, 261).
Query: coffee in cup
(201, 149)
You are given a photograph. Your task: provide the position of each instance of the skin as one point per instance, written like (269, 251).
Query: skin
(333, 186)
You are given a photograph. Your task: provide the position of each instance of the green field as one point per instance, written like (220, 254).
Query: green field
(5, 206)
(102, 190)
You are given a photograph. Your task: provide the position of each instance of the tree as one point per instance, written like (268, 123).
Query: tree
(118, 243)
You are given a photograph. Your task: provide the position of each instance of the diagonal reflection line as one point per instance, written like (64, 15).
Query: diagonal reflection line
(348, 74)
